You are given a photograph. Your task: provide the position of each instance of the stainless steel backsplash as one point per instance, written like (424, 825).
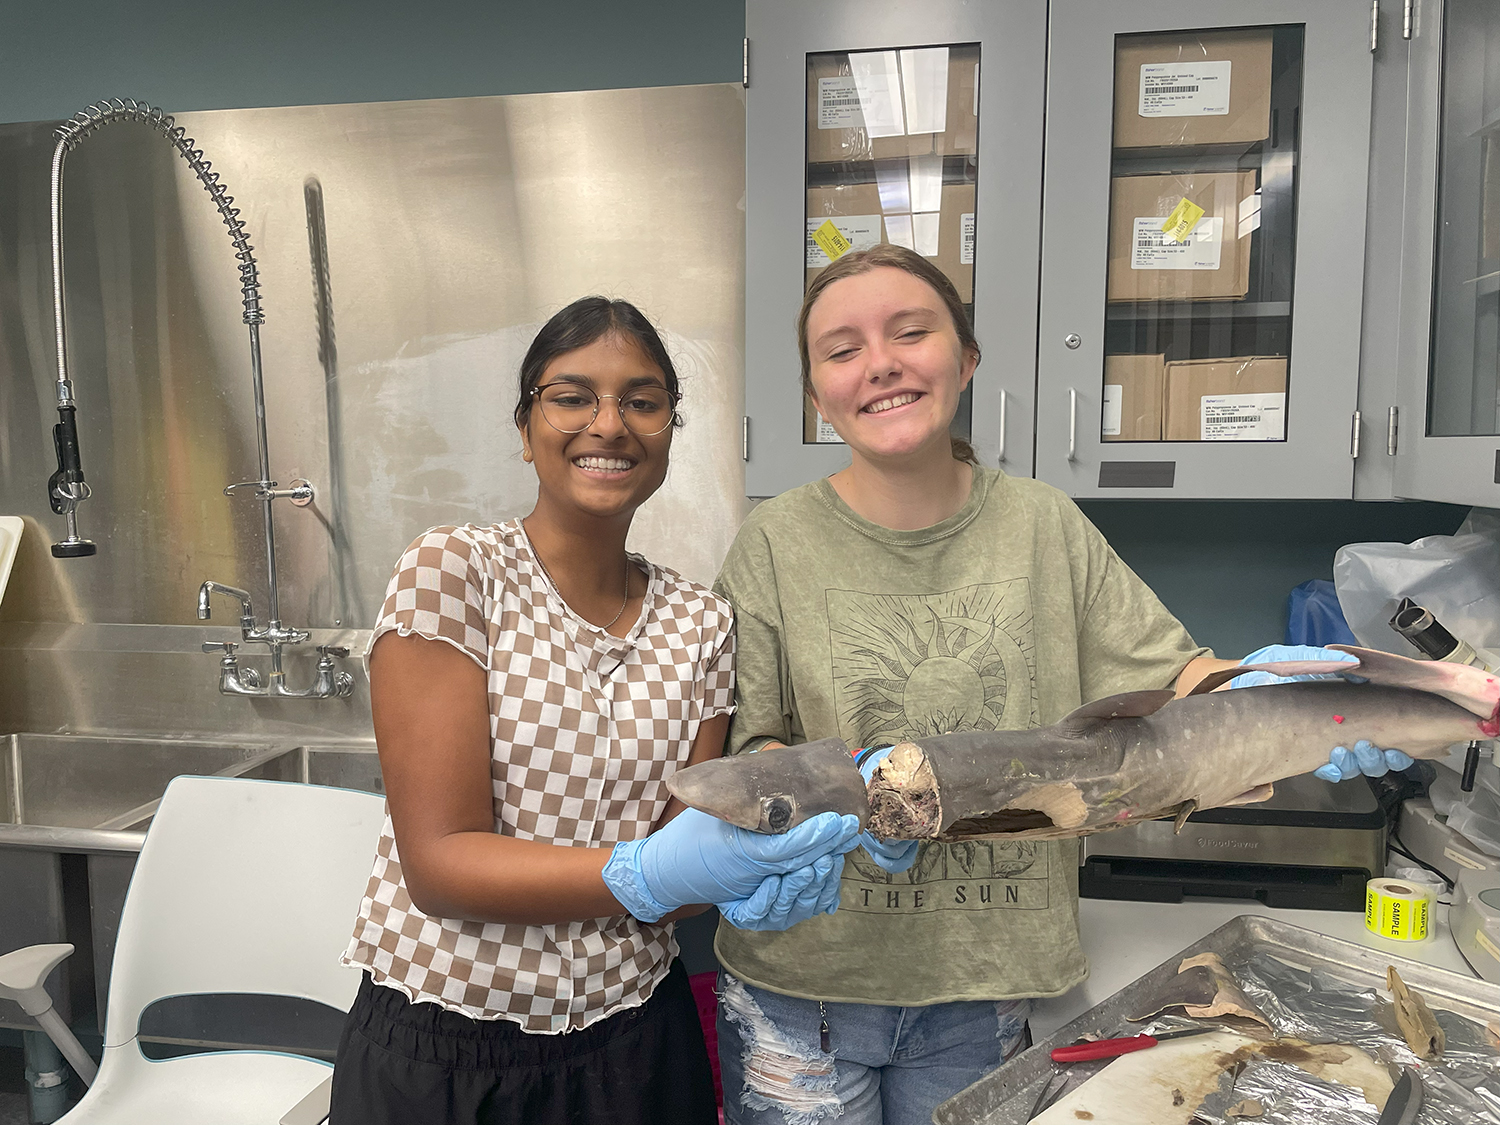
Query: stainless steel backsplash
(409, 251)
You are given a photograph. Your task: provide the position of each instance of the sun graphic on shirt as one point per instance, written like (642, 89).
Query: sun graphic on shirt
(909, 666)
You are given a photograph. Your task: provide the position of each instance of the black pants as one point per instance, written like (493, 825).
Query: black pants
(419, 1064)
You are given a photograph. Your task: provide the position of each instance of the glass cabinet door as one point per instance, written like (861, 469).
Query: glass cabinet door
(1448, 374)
(893, 156)
(1203, 244)
(865, 124)
(1465, 364)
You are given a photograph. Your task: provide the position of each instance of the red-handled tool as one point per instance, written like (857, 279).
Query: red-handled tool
(1110, 1048)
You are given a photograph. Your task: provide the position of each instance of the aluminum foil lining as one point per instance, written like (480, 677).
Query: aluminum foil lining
(1460, 1088)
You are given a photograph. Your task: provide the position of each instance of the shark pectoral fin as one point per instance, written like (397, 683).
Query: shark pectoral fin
(1252, 796)
(1277, 668)
(1471, 688)
(1128, 705)
(1186, 810)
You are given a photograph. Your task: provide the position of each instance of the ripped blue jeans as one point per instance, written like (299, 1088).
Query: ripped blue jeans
(884, 1065)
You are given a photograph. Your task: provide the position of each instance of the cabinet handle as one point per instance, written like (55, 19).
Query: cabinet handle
(1001, 457)
(1072, 424)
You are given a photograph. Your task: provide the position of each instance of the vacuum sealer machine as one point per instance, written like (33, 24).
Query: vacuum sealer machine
(1313, 845)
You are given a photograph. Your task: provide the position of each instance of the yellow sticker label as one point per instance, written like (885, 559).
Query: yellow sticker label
(1182, 220)
(1401, 918)
(832, 242)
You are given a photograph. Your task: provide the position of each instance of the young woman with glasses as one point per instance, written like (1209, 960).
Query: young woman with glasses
(533, 686)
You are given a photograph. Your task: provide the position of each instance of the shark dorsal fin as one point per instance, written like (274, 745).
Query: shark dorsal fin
(1128, 705)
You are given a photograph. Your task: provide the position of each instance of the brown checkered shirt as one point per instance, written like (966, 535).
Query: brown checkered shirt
(585, 728)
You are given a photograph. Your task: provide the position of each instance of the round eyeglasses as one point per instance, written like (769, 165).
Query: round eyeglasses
(572, 408)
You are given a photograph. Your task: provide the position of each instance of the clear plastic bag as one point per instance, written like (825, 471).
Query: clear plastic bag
(1456, 576)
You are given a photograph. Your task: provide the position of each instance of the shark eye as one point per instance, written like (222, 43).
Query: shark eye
(776, 812)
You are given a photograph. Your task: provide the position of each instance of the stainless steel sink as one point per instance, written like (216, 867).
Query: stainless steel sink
(74, 815)
(59, 781)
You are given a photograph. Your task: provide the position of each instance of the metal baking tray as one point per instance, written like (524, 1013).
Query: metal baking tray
(1005, 1096)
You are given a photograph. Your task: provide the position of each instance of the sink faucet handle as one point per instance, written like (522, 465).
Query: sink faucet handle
(333, 650)
(226, 647)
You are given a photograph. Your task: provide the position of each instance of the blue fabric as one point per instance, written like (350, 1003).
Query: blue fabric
(884, 1065)
(1314, 616)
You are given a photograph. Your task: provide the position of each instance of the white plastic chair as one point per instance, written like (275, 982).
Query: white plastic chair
(242, 886)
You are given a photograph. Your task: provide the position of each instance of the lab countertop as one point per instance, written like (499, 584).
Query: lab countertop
(1125, 940)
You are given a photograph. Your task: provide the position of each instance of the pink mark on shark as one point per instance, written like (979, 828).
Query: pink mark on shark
(1338, 718)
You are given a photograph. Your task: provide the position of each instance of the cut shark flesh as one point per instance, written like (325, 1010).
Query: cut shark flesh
(1121, 760)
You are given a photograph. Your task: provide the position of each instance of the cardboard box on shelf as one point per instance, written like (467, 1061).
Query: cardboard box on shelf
(1133, 387)
(903, 103)
(1242, 398)
(945, 235)
(1192, 88)
(815, 430)
(1211, 263)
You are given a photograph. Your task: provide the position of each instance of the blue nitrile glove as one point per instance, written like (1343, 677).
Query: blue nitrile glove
(696, 858)
(894, 856)
(1366, 758)
(1343, 764)
(784, 900)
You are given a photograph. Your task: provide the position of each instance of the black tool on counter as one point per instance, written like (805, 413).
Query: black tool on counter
(1426, 632)
(1405, 1101)
(1051, 1090)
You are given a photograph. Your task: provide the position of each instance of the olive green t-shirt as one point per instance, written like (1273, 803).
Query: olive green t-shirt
(1005, 616)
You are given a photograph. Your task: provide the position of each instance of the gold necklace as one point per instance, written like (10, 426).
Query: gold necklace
(537, 555)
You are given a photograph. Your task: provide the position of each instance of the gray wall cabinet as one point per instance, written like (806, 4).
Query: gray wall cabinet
(1448, 444)
(1341, 335)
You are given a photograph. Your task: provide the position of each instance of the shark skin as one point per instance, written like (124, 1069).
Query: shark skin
(1116, 761)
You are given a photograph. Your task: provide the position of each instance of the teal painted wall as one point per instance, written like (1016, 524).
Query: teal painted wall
(190, 54)
(1225, 569)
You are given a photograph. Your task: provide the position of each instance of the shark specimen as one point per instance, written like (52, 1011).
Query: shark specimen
(1116, 761)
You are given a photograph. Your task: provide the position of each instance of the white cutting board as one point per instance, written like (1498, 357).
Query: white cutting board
(1165, 1085)
(1159, 1086)
(10, 541)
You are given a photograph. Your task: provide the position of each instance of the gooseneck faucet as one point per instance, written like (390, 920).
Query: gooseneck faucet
(67, 487)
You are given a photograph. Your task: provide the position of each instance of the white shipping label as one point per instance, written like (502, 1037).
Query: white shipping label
(862, 232)
(1184, 89)
(1463, 860)
(838, 103)
(966, 237)
(1253, 417)
(1155, 249)
(827, 435)
(1114, 397)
